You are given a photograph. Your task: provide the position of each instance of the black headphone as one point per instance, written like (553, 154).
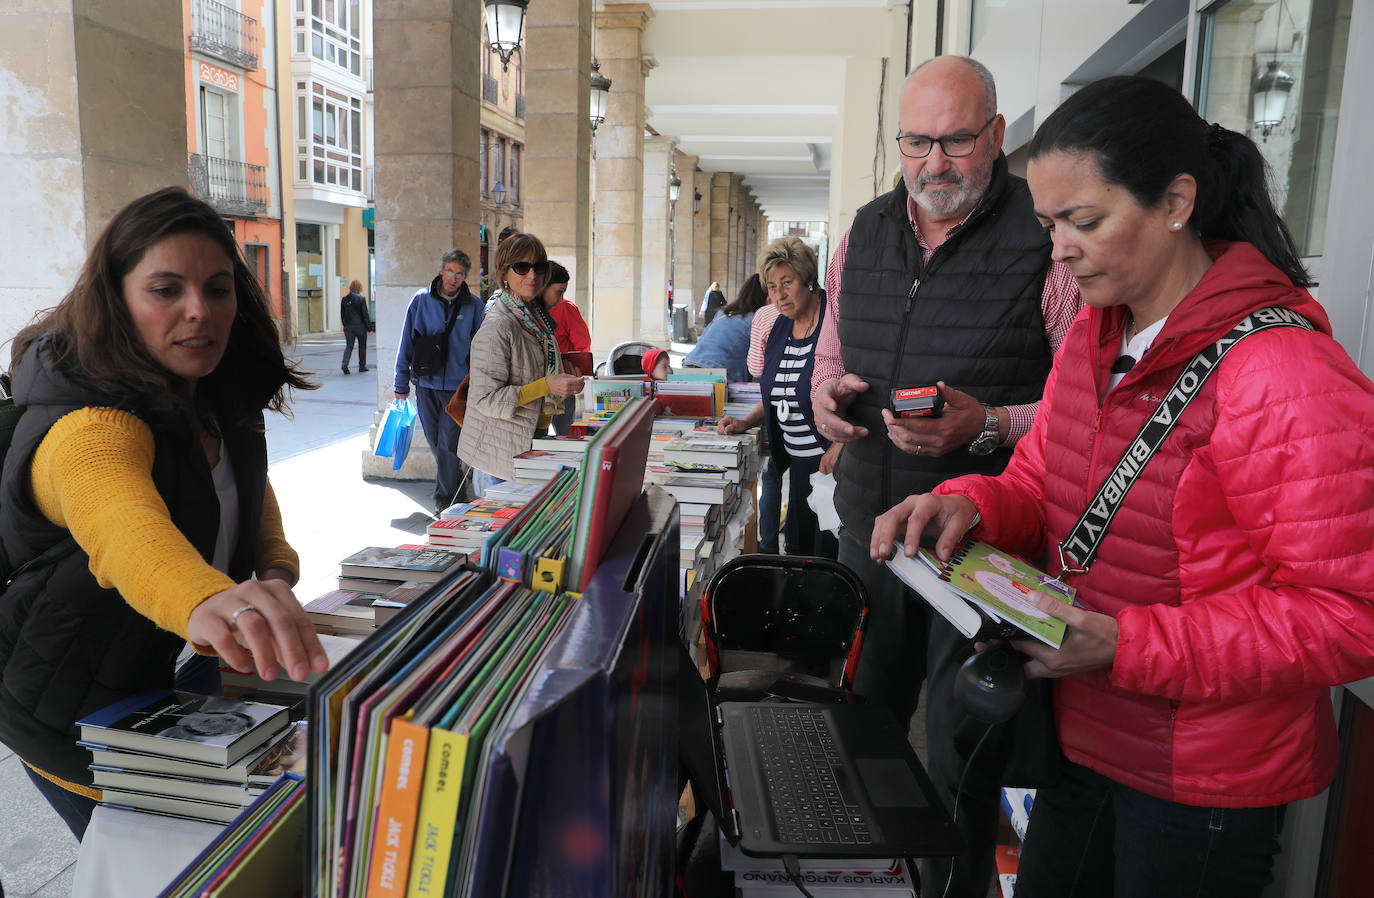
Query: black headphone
(991, 685)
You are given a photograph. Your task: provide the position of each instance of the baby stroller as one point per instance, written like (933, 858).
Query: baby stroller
(626, 358)
(784, 626)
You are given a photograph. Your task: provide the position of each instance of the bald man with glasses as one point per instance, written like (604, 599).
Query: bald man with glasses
(946, 279)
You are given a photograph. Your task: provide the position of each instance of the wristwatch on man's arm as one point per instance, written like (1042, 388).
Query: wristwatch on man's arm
(989, 439)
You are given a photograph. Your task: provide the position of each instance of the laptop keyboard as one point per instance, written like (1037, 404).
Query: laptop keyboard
(809, 802)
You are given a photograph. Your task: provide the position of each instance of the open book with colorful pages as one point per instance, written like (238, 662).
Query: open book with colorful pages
(985, 592)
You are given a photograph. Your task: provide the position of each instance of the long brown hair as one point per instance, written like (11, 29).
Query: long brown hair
(94, 337)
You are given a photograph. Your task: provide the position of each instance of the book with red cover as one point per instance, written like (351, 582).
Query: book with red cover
(583, 361)
(612, 479)
(684, 406)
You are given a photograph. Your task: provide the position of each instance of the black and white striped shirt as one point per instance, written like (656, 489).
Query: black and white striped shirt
(794, 374)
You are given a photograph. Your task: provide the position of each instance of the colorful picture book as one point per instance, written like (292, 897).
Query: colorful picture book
(185, 725)
(981, 578)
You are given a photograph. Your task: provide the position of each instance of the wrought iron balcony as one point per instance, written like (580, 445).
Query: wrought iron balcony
(488, 88)
(234, 188)
(224, 33)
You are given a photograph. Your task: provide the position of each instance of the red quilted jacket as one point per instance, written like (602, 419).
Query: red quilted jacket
(1240, 568)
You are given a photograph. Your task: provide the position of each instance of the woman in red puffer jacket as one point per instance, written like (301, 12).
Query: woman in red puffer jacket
(1236, 583)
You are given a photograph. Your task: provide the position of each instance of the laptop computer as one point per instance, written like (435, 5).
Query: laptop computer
(810, 780)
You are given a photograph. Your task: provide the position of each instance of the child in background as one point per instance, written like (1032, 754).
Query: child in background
(656, 364)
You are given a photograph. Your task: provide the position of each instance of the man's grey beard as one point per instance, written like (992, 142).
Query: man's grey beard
(961, 200)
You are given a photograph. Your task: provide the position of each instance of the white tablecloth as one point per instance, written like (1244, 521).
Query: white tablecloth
(126, 854)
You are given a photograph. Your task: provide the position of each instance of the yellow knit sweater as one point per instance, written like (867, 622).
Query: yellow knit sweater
(93, 475)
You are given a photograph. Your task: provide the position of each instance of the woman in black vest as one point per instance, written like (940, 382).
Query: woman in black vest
(788, 272)
(135, 512)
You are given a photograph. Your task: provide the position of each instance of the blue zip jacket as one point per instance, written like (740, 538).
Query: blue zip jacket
(428, 314)
(724, 344)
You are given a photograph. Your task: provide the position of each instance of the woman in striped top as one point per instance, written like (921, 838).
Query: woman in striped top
(788, 272)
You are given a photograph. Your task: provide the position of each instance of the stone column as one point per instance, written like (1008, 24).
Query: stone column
(558, 135)
(75, 148)
(732, 265)
(720, 231)
(682, 261)
(653, 305)
(619, 181)
(701, 242)
(428, 199)
(852, 179)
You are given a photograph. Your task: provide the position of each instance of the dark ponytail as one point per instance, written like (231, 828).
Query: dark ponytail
(1143, 134)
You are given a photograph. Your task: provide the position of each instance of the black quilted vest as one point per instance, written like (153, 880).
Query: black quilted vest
(971, 317)
(68, 646)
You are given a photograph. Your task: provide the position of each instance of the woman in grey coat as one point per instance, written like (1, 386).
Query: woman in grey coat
(516, 382)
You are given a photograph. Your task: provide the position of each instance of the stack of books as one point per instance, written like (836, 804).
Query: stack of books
(465, 526)
(183, 754)
(741, 398)
(378, 570)
(342, 612)
(538, 465)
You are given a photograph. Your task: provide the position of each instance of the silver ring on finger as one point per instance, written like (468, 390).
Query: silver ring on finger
(234, 618)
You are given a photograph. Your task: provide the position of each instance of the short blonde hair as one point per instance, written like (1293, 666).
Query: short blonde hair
(792, 252)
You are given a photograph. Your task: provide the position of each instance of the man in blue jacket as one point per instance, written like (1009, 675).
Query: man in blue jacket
(436, 340)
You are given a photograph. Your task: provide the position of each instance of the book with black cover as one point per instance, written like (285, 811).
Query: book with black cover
(185, 725)
(401, 563)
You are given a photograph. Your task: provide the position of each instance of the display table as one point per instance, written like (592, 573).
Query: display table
(127, 854)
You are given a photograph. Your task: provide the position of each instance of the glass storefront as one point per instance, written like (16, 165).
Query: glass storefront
(1273, 69)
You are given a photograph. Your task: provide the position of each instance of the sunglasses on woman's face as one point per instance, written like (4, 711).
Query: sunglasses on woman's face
(523, 268)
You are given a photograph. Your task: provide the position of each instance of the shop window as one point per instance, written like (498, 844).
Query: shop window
(1273, 69)
(982, 13)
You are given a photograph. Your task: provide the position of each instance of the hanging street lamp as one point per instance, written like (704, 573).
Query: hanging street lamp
(505, 22)
(601, 89)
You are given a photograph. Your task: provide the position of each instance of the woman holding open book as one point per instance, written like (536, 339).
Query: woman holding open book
(1222, 566)
(517, 382)
(135, 511)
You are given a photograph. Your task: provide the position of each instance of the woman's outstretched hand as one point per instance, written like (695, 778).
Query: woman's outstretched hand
(259, 621)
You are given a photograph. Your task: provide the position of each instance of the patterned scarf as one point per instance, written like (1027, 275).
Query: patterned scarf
(535, 327)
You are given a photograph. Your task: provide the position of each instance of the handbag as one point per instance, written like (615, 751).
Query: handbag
(458, 403)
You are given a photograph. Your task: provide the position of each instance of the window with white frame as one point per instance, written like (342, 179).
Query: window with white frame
(335, 33)
(216, 119)
(329, 137)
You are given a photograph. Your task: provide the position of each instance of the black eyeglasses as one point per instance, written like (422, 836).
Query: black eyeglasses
(918, 146)
(523, 268)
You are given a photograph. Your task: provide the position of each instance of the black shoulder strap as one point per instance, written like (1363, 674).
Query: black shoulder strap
(1081, 543)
